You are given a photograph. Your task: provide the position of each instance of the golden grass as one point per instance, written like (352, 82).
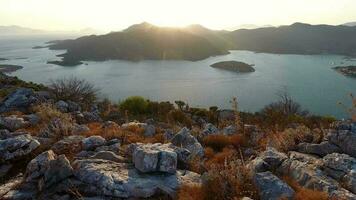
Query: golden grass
(302, 193)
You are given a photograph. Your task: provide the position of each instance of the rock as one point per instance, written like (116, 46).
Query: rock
(168, 134)
(37, 166)
(56, 128)
(71, 143)
(185, 140)
(110, 125)
(341, 167)
(209, 129)
(150, 121)
(73, 106)
(345, 140)
(62, 106)
(321, 149)
(121, 180)
(258, 165)
(33, 119)
(109, 146)
(79, 129)
(226, 115)
(246, 198)
(13, 122)
(57, 170)
(20, 99)
(155, 158)
(271, 187)
(108, 155)
(230, 130)
(150, 130)
(91, 117)
(93, 142)
(4, 169)
(16, 147)
(273, 158)
(4, 134)
(9, 185)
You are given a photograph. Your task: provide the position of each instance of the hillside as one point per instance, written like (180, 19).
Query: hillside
(139, 42)
(298, 38)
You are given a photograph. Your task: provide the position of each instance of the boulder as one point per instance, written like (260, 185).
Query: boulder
(230, 130)
(93, 142)
(270, 187)
(20, 99)
(13, 122)
(4, 134)
(155, 158)
(37, 166)
(186, 140)
(4, 169)
(91, 117)
(122, 180)
(258, 165)
(322, 149)
(345, 140)
(168, 134)
(79, 129)
(33, 119)
(112, 145)
(71, 143)
(9, 185)
(209, 129)
(62, 106)
(273, 157)
(150, 130)
(73, 106)
(17, 147)
(108, 155)
(57, 170)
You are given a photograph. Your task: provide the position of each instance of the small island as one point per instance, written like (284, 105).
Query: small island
(65, 63)
(235, 66)
(346, 70)
(9, 68)
(39, 47)
(2, 59)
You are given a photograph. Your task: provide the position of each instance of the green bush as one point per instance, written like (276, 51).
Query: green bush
(134, 105)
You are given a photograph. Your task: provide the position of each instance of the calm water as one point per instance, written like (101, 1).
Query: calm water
(309, 79)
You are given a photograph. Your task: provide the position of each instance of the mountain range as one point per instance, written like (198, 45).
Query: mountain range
(195, 42)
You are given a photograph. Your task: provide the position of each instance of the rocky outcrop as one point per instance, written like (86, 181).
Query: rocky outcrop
(93, 142)
(71, 143)
(122, 180)
(270, 187)
(345, 140)
(186, 140)
(17, 147)
(322, 149)
(209, 129)
(149, 130)
(155, 158)
(20, 99)
(13, 122)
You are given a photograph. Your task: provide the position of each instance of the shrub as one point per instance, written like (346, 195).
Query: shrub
(302, 193)
(74, 89)
(47, 112)
(159, 108)
(191, 192)
(217, 142)
(178, 116)
(134, 105)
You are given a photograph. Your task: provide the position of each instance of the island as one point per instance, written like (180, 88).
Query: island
(39, 47)
(235, 66)
(2, 59)
(65, 63)
(346, 70)
(9, 68)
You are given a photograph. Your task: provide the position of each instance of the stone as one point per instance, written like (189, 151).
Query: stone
(4, 134)
(92, 142)
(91, 117)
(345, 140)
(122, 180)
(154, 158)
(33, 119)
(273, 158)
(226, 115)
(62, 106)
(270, 187)
(150, 130)
(73, 106)
(80, 129)
(4, 169)
(168, 134)
(37, 166)
(186, 140)
(322, 149)
(115, 147)
(209, 129)
(13, 122)
(230, 130)
(258, 165)
(57, 170)
(17, 147)
(9, 185)
(108, 155)
(71, 143)
(20, 99)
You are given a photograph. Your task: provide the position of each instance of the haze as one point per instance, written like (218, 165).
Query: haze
(222, 14)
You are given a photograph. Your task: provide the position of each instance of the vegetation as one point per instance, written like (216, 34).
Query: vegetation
(135, 105)
(74, 89)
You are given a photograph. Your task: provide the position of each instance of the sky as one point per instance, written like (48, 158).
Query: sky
(111, 15)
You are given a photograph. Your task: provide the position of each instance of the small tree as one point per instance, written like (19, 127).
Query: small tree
(180, 104)
(134, 105)
(74, 89)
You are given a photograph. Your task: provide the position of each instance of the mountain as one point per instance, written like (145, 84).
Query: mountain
(350, 24)
(298, 38)
(18, 30)
(139, 42)
(249, 26)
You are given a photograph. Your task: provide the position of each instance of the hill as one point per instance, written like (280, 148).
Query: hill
(298, 38)
(18, 30)
(139, 42)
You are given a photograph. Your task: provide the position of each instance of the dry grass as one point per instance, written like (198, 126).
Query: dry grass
(47, 112)
(217, 142)
(191, 192)
(302, 193)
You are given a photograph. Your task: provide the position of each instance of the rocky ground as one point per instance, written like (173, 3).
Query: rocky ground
(73, 160)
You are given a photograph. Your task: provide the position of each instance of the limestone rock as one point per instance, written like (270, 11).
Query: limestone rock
(93, 142)
(321, 149)
(16, 147)
(13, 122)
(186, 140)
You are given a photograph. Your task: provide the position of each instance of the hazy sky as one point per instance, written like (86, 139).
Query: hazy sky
(218, 14)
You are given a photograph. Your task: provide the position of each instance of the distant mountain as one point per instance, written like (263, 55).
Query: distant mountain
(298, 38)
(350, 24)
(138, 42)
(249, 26)
(18, 30)
(195, 42)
